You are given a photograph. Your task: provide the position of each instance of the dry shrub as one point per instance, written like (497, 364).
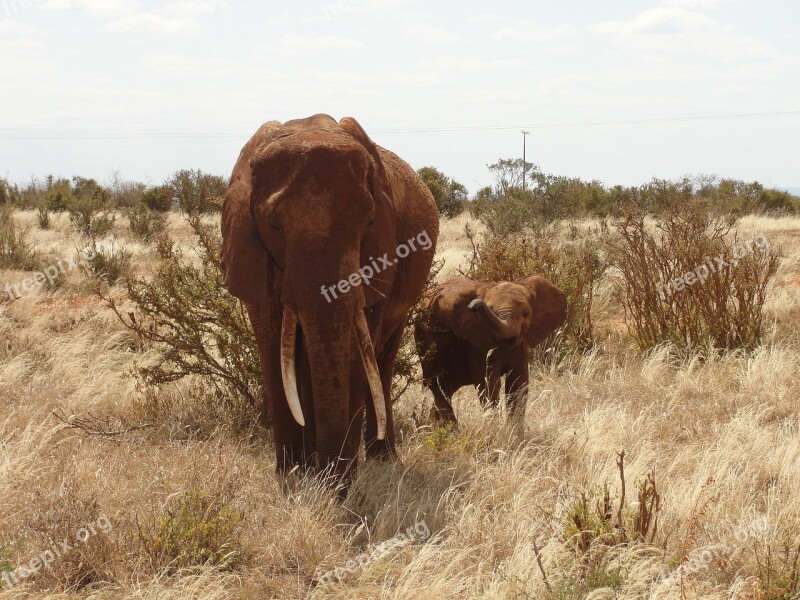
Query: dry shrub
(107, 262)
(571, 263)
(73, 518)
(407, 368)
(724, 310)
(16, 252)
(145, 223)
(595, 521)
(195, 326)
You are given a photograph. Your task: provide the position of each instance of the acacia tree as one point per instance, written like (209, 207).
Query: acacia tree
(508, 174)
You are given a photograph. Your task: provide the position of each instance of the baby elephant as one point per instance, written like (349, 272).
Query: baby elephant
(473, 333)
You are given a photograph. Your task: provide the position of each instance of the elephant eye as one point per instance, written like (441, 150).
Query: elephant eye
(526, 313)
(275, 226)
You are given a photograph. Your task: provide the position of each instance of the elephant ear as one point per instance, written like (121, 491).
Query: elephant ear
(379, 182)
(548, 308)
(243, 257)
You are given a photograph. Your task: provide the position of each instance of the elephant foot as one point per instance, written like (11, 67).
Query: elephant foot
(443, 416)
(381, 450)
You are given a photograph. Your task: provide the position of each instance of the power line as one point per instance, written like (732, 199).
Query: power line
(560, 125)
(595, 123)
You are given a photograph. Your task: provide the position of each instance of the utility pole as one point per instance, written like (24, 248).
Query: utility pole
(525, 135)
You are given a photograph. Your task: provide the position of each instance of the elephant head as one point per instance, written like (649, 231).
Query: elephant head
(305, 207)
(507, 314)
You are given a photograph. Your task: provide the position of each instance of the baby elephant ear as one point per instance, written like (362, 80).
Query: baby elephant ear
(548, 308)
(243, 257)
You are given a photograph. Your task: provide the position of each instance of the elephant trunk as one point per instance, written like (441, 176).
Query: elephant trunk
(500, 328)
(366, 351)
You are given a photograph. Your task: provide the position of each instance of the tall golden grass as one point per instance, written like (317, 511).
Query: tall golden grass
(79, 437)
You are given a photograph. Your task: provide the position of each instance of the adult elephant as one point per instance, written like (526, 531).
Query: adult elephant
(474, 333)
(328, 240)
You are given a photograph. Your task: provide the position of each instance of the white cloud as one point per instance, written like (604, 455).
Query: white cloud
(192, 8)
(658, 21)
(470, 65)
(426, 32)
(16, 35)
(153, 22)
(484, 18)
(530, 31)
(9, 27)
(172, 17)
(92, 7)
(324, 42)
(698, 4)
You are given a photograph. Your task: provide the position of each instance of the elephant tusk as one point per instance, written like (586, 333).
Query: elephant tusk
(288, 373)
(371, 367)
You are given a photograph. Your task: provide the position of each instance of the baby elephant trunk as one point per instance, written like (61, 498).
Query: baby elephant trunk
(500, 328)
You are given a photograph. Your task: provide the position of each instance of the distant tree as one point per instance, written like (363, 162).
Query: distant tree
(198, 192)
(508, 174)
(90, 208)
(58, 194)
(125, 194)
(5, 194)
(159, 198)
(449, 194)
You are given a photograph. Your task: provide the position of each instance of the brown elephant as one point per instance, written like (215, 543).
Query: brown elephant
(473, 333)
(328, 240)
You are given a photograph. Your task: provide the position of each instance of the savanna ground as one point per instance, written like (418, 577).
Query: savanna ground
(514, 510)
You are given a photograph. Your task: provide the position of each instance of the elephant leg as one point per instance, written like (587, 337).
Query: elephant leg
(442, 410)
(288, 435)
(489, 391)
(485, 377)
(517, 382)
(376, 448)
(309, 432)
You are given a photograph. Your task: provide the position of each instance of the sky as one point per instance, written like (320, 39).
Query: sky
(619, 91)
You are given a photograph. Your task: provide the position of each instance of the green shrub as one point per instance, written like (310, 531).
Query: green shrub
(196, 529)
(16, 252)
(193, 323)
(145, 223)
(58, 196)
(450, 196)
(89, 209)
(198, 192)
(673, 288)
(574, 265)
(509, 214)
(158, 198)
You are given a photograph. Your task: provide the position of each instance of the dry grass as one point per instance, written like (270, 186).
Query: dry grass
(721, 434)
